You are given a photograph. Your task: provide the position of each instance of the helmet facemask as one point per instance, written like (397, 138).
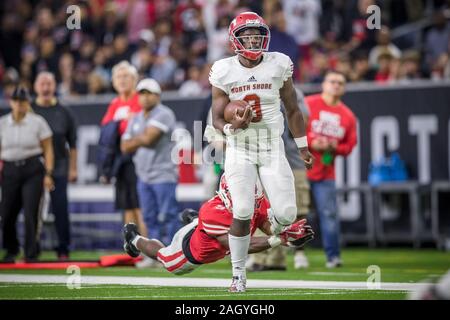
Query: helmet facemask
(250, 46)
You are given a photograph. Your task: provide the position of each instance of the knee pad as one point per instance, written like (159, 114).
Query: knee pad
(242, 212)
(286, 215)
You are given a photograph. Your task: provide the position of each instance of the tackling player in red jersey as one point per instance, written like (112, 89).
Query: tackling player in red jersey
(205, 239)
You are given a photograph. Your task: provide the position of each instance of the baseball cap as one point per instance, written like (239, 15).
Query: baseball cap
(147, 35)
(20, 93)
(149, 85)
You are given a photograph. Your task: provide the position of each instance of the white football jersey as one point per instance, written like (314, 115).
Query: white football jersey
(259, 86)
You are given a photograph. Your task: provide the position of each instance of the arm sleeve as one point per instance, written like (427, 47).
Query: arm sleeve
(44, 129)
(346, 145)
(164, 121)
(288, 69)
(216, 223)
(214, 78)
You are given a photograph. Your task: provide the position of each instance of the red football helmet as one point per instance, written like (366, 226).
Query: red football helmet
(224, 193)
(245, 21)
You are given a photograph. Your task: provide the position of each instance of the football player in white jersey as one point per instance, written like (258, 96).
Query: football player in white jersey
(254, 144)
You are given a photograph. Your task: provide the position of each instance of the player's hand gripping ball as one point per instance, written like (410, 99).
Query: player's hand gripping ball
(238, 113)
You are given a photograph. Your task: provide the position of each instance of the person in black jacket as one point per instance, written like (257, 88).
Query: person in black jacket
(62, 124)
(108, 149)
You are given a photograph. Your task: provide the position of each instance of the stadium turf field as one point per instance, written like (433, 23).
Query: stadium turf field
(401, 270)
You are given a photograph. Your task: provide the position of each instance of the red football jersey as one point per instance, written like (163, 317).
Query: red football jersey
(214, 220)
(120, 110)
(333, 122)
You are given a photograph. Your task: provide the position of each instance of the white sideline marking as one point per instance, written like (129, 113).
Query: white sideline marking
(205, 282)
(220, 295)
(335, 273)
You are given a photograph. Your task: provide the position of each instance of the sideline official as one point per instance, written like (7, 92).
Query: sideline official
(24, 138)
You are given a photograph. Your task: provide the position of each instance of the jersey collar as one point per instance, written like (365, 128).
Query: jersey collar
(24, 120)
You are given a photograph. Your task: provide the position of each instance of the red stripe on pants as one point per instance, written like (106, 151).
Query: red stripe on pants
(171, 257)
(178, 265)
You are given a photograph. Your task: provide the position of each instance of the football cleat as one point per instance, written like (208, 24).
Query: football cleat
(238, 284)
(130, 231)
(188, 215)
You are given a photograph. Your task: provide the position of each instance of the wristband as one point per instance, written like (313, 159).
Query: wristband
(274, 241)
(301, 142)
(229, 131)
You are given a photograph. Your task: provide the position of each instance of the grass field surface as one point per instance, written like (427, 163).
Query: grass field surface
(401, 270)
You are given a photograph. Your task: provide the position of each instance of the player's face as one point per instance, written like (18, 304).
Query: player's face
(251, 39)
(148, 100)
(123, 81)
(334, 85)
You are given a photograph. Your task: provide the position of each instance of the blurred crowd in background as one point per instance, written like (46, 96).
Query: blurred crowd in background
(176, 41)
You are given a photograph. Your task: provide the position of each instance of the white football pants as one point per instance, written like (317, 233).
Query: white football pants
(242, 169)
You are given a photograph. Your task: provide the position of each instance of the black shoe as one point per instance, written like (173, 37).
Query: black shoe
(31, 259)
(274, 268)
(9, 258)
(188, 215)
(130, 231)
(63, 257)
(256, 267)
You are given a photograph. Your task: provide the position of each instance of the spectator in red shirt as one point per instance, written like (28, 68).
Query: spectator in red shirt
(331, 132)
(122, 108)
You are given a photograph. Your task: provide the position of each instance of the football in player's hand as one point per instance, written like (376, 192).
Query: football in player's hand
(231, 107)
